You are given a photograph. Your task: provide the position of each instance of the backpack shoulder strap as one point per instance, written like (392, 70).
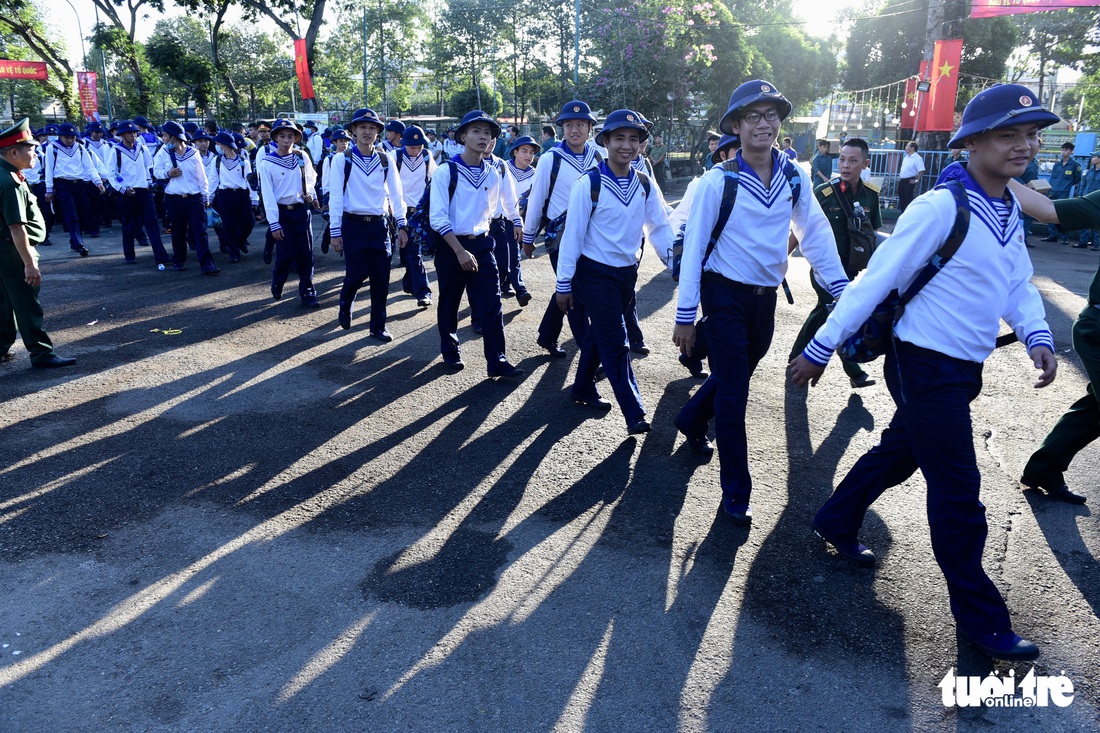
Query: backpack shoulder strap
(841, 199)
(949, 247)
(399, 157)
(731, 178)
(554, 168)
(454, 180)
(118, 158)
(599, 158)
(793, 180)
(594, 179)
(644, 180)
(347, 171)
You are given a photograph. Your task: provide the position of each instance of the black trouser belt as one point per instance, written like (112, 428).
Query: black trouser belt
(368, 218)
(716, 279)
(289, 207)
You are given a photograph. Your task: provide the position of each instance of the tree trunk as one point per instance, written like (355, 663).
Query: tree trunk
(223, 70)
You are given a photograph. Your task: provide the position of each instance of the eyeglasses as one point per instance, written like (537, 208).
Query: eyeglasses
(753, 117)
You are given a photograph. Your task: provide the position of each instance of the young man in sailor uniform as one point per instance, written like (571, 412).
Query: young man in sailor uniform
(128, 169)
(505, 230)
(521, 156)
(933, 366)
(186, 197)
(286, 180)
(598, 262)
(104, 206)
(339, 141)
(466, 262)
(547, 206)
(452, 147)
(736, 280)
(363, 181)
(233, 197)
(394, 130)
(416, 166)
(68, 166)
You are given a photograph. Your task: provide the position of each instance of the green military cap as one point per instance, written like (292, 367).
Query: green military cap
(20, 132)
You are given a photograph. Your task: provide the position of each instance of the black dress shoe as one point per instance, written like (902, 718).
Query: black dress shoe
(504, 370)
(1055, 490)
(523, 299)
(592, 400)
(1081, 245)
(277, 291)
(6, 357)
(384, 336)
(1049, 239)
(53, 362)
(211, 270)
(80, 249)
(243, 247)
(310, 301)
(425, 302)
(640, 348)
(453, 364)
(639, 427)
(1005, 645)
(343, 316)
(742, 517)
(853, 550)
(863, 380)
(698, 444)
(555, 351)
(267, 256)
(695, 366)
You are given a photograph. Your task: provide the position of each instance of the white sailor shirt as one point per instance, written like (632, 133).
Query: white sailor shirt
(958, 312)
(370, 190)
(508, 203)
(73, 163)
(129, 167)
(102, 149)
(208, 161)
(476, 196)
(231, 174)
(281, 182)
(752, 248)
(416, 173)
(523, 177)
(34, 175)
(315, 145)
(610, 233)
(192, 182)
(569, 170)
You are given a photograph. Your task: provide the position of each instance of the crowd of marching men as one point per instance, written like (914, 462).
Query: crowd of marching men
(955, 267)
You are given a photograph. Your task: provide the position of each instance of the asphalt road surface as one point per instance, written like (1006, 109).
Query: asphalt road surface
(232, 515)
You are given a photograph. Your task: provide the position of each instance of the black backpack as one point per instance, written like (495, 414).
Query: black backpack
(421, 233)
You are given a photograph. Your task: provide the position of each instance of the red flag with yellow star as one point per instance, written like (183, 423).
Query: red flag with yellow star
(938, 114)
(301, 66)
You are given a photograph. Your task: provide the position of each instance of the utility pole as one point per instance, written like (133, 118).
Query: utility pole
(382, 61)
(944, 21)
(106, 83)
(576, 45)
(366, 98)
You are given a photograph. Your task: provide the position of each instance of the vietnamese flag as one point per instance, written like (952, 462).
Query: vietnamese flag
(301, 67)
(938, 114)
(912, 98)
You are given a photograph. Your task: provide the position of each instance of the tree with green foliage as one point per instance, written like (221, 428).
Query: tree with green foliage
(1056, 38)
(118, 36)
(190, 69)
(23, 19)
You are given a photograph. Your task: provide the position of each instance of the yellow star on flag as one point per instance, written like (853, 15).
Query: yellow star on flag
(945, 70)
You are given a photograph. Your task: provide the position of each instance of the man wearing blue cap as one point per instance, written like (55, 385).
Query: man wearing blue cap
(466, 263)
(416, 166)
(735, 276)
(36, 179)
(548, 203)
(104, 205)
(21, 229)
(934, 364)
(394, 130)
(186, 197)
(233, 198)
(128, 169)
(598, 265)
(68, 166)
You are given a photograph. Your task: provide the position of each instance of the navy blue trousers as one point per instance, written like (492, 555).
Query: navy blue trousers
(235, 209)
(294, 251)
(73, 200)
(483, 288)
(739, 332)
(366, 258)
(39, 190)
(96, 203)
(187, 218)
(137, 211)
(605, 293)
(931, 430)
(553, 319)
(506, 250)
(415, 279)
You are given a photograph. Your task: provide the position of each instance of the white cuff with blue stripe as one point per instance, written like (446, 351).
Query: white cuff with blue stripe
(1039, 338)
(686, 316)
(816, 352)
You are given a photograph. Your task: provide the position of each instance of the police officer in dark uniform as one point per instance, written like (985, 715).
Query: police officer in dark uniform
(843, 200)
(22, 227)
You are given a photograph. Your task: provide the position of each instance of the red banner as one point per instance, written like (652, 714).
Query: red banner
(913, 99)
(993, 8)
(89, 95)
(938, 112)
(22, 69)
(301, 66)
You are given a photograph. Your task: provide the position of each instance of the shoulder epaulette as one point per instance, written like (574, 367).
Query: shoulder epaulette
(872, 186)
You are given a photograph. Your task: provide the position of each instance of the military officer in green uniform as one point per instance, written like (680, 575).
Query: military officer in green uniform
(1080, 425)
(21, 229)
(843, 200)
